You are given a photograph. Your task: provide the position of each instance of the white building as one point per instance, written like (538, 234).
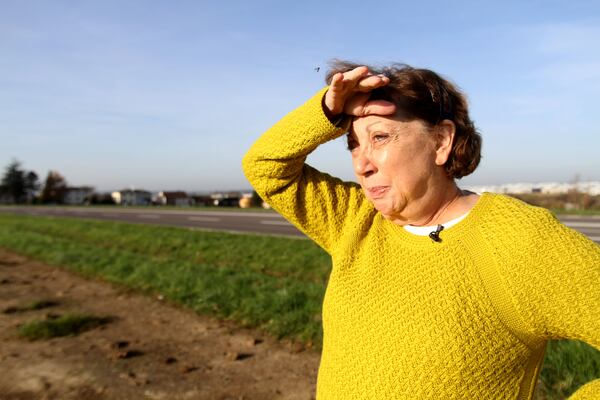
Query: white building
(226, 199)
(592, 188)
(180, 199)
(130, 197)
(77, 195)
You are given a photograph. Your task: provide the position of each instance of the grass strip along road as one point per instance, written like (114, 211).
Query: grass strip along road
(272, 283)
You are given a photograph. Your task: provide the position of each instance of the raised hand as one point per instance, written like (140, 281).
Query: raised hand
(349, 94)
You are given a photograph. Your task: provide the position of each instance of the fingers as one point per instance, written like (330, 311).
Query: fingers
(372, 82)
(349, 92)
(356, 74)
(361, 107)
(356, 104)
(335, 98)
(337, 79)
(360, 79)
(363, 79)
(378, 107)
(348, 81)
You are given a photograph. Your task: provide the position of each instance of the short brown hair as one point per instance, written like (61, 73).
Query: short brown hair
(422, 94)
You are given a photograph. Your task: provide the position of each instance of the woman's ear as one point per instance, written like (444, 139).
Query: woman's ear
(444, 133)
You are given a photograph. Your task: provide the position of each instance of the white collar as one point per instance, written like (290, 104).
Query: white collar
(426, 230)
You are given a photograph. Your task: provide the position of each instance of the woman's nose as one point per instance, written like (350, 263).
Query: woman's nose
(363, 163)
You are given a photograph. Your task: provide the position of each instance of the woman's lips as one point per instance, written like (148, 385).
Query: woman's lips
(375, 192)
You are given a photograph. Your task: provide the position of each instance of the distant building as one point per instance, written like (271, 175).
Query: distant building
(130, 197)
(202, 200)
(77, 195)
(591, 188)
(101, 198)
(246, 200)
(226, 199)
(174, 199)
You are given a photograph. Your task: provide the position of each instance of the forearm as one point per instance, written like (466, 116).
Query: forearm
(278, 156)
(306, 197)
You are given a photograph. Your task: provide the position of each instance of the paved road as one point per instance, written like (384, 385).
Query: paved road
(588, 225)
(232, 221)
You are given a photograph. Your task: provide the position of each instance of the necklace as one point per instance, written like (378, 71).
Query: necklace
(427, 223)
(458, 195)
(435, 235)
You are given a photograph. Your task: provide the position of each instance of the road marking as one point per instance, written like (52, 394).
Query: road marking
(148, 216)
(204, 219)
(275, 223)
(582, 224)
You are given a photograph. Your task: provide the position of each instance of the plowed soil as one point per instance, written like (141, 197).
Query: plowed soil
(149, 350)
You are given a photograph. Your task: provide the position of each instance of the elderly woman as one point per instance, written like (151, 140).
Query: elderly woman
(435, 292)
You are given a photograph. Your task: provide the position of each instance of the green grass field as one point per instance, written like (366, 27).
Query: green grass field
(272, 283)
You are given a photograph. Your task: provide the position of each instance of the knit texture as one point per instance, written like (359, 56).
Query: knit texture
(407, 318)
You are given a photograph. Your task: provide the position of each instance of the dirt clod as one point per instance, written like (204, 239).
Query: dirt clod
(255, 341)
(237, 356)
(186, 369)
(297, 347)
(127, 354)
(119, 344)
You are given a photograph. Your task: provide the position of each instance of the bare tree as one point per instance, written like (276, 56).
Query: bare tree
(54, 188)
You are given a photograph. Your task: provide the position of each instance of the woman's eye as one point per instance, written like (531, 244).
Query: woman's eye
(380, 137)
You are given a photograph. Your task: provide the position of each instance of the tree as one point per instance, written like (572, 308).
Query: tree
(54, 188)
(18, 186)
(32, 185)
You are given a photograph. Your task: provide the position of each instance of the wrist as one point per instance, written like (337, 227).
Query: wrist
(339, 120)
(326, 110)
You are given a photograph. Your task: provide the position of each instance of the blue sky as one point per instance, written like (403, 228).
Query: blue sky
(167, 95)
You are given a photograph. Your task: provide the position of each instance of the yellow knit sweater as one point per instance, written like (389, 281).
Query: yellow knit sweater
(408, 318)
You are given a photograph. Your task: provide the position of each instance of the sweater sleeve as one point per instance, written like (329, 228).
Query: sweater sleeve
(316, 203)
(558, 291)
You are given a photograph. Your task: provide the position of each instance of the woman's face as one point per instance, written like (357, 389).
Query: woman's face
(394, 162)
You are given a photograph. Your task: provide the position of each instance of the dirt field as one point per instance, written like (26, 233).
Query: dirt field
(150, 350)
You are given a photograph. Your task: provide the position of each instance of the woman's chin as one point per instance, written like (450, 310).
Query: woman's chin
(383, 207)
(387, 209)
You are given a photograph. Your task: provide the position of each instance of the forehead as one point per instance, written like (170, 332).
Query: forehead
(374, 123)
(370, 122)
